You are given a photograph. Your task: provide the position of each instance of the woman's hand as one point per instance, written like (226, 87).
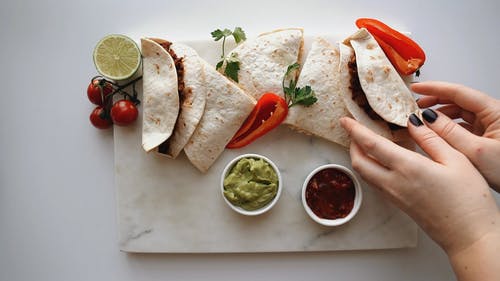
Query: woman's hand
(478, 137)
(445, 195)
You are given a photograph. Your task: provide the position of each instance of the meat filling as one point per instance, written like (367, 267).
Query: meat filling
(359, 97)
(179, 67)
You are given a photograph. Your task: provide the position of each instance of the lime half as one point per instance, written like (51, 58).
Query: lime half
(117, 57)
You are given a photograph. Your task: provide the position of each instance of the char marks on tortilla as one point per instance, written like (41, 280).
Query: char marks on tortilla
(385, 90)
(321, 72)
(160, 95)
(227, 107)
(264, 60)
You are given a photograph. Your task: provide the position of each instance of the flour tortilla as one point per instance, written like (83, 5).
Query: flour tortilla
(385, 90)
(160, 96)
(264, 60)
(321, 72)
(192, 99)
(226, 109)
(378, 126)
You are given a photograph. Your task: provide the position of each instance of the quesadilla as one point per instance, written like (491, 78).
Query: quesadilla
(321, 72)
(160, 94)
(386, 92)
(353, 96)
(264, 60)
(226, 109)
(192, 96)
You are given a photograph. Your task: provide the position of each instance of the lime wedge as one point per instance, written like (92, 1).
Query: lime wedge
(117, 57)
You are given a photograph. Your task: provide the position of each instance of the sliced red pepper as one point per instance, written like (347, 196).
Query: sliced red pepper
(404, 53)
(268, 113)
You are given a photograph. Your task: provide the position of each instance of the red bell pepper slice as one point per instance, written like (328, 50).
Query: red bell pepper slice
(268, 113)
(404, 53)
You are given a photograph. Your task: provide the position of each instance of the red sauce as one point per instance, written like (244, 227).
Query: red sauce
(330, 194)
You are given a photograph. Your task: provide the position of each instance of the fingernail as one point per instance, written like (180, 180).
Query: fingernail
(415, 121)
(429, 115)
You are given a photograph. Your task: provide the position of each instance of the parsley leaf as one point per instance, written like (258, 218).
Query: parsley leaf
(295, 95)
(232, 69)
(292, 67)
(305, 96)
(217, 34)
(239, 35)
(219, 65)
(231, 65)
(226, 32)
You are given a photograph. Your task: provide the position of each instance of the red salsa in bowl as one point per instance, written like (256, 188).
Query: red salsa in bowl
(331, 194)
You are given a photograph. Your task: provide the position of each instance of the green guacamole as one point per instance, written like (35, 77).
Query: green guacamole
(251, 184)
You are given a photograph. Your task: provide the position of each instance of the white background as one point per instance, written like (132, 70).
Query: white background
(57, 199)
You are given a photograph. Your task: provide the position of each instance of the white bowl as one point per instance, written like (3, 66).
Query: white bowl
(266, 207)
(358, 197)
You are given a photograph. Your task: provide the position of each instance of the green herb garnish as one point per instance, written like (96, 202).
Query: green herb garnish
(232, 63)
(295, 95)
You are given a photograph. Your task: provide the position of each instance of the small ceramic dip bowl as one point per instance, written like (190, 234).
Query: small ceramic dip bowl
(251, 184)
(331, 195)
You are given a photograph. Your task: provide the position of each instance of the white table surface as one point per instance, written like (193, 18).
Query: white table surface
(57, 198)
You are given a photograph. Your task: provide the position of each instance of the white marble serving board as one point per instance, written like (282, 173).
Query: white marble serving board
(168, 206)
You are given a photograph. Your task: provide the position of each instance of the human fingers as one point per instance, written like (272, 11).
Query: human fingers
(437, 148)
(454, 134)
(428, 101)
(454, 112)
(468, 127)
(382, 150)
(467, 98)
(369, 169)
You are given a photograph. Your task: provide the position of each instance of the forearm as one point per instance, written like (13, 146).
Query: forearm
(479, 261)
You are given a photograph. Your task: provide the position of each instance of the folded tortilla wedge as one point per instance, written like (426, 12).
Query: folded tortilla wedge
(192, 95)
(349, 87)
(160, 94)
(227, 107)
(264, 60)
(385, 91)
(321, 72)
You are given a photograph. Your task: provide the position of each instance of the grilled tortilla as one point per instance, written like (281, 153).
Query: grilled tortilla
(160, 94)
(264, 60)
(385, 90)
(354, 97)
(321, 72)
(192, 95)
(226, 109)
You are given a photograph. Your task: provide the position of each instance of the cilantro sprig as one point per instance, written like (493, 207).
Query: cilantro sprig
(231, 63)
(296, 95)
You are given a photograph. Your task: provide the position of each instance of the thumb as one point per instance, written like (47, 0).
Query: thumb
(454, 134)
(430, 142)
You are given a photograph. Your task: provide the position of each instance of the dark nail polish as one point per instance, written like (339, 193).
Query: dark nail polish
(415, 120)
(429, 115)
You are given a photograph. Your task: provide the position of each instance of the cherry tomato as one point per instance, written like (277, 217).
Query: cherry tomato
(98, 119)
(124, 112)
(94, 91)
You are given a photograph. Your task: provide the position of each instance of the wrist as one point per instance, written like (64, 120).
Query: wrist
(479, 260)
